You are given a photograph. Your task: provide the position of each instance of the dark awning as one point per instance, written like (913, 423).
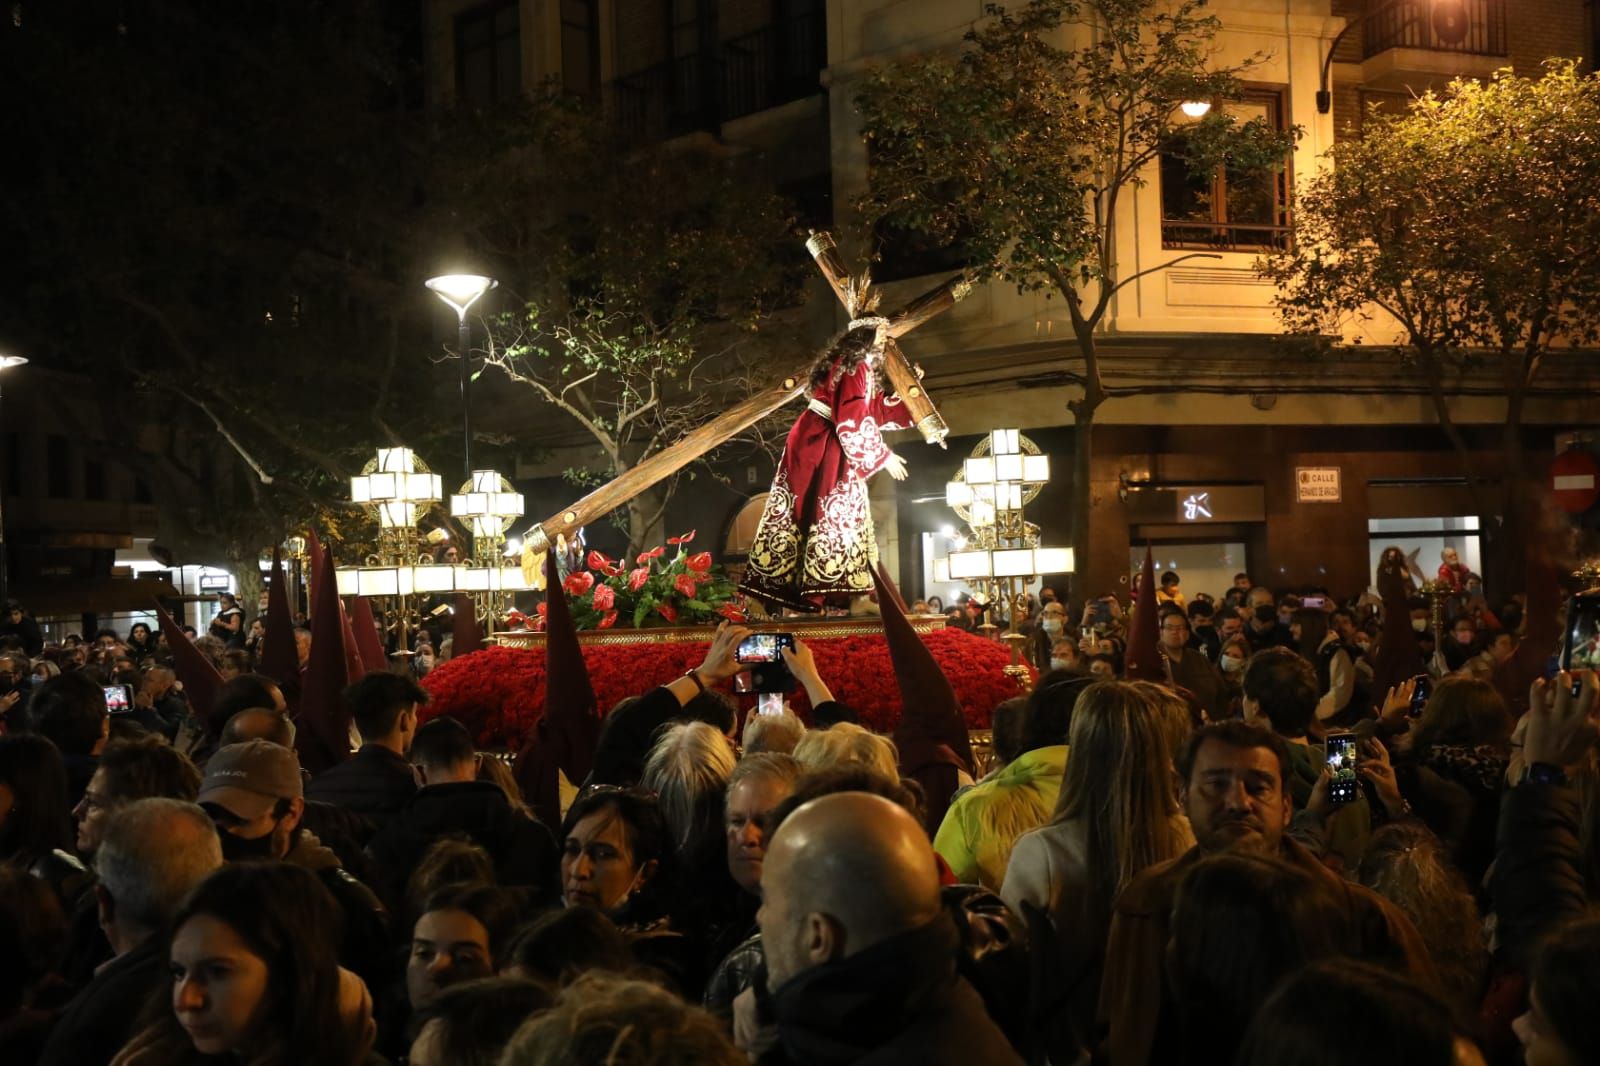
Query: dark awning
(74, 596)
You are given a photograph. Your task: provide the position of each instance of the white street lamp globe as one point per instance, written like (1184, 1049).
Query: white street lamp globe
(460, 291)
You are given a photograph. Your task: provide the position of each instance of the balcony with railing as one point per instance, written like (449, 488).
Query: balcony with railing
(1412, 45)
(774, 65)
(1465, 27)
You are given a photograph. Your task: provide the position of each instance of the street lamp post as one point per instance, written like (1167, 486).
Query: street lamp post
(7, 362)
(461, 291)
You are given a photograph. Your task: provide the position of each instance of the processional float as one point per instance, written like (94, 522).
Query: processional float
(858, 297)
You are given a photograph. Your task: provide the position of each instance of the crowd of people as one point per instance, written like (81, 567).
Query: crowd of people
(1150, 872)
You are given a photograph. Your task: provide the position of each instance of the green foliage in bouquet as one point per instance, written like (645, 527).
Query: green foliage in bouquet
(682, 590)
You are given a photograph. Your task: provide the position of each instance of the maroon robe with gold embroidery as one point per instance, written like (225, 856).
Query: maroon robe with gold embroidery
(814, 546)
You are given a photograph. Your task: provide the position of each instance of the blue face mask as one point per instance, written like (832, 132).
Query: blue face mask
(1051, 626)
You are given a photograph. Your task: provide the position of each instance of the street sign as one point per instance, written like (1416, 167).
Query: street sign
(1316, 484)
(1575, 480)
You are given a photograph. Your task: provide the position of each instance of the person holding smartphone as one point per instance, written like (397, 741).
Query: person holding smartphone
(1233, 789)
(630, 729)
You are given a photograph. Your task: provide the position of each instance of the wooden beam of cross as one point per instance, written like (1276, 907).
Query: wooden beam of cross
(858, 298)
(663, 464)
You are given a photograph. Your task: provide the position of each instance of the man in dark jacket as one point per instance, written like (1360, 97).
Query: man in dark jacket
(253, 792)
(1263, 630)
(454, 803)
(16, 623)
(864, 977)
(1188, 666)
(152, 853)
(377, 781)
(1237, 798)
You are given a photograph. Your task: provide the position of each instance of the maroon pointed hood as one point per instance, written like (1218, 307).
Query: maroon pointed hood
(1397, 657)
(887, 583)
(279, 659)
(200, 678)
(1144, 643)
(1542, 631)
(566, 736)
(364, 627)
(931, 735)
(466, 636)
(316, 556)
(323, 738)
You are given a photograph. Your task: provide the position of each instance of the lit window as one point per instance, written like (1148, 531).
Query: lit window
(1227, 207)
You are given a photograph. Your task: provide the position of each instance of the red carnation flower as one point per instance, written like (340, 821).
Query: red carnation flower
(686, 538)
(608, 620)
(699, 563)
(604, 598)
(654, 553)
(667, 611)
(684, 583)
(544, 609)
(637, 578)
(579, 583)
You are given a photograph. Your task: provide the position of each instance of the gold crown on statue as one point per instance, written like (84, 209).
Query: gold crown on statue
(860, 298)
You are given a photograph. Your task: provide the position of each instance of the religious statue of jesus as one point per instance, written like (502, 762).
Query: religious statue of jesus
(814, 546)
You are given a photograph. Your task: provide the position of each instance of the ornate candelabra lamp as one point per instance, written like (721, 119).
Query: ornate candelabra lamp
(1002, 554)
(489, 504)
(397, 489)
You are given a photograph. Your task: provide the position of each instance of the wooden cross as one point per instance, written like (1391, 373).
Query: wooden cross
(903, 378)
(858, 300)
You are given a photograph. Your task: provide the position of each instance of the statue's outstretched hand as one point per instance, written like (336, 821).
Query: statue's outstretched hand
(896, 467)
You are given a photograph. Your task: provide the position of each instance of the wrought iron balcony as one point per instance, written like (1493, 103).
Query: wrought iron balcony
(1466, 27)
(774, 65)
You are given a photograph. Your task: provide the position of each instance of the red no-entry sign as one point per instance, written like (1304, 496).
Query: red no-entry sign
(1575, 478)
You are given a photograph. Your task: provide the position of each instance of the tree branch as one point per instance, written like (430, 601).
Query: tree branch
(227, 435)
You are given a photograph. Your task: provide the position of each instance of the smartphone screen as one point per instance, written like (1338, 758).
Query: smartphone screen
(1313, 601)
(1420, 695)
(1340, 749)
(119, 699)
(769, 703)
(1580, 647)
(763, 648)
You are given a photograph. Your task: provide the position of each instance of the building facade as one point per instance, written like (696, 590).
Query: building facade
(1305, 467)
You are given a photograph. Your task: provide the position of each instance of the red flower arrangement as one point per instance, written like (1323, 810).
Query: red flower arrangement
(689, 589)
(498, 693)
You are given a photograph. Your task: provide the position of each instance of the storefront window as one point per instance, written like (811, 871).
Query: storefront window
(1200, 567)
(1423, 540)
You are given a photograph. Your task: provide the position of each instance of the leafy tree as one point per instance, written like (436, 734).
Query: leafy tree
(648, 284)
(1021, 148)
(1465, 231)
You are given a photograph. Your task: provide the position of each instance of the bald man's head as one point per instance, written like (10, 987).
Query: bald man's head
(843, 873)
(259, 723)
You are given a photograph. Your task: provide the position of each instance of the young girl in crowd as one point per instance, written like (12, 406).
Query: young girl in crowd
(255, 978)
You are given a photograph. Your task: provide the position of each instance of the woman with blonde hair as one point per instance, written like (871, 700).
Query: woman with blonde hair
(1117, 814)
(845, 744)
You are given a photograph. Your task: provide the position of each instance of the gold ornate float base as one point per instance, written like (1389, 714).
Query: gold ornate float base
(804, 628)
